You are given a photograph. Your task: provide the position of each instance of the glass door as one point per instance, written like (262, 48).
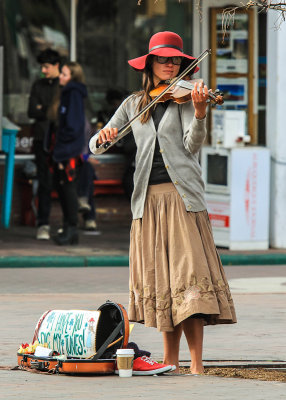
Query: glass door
(232, 62)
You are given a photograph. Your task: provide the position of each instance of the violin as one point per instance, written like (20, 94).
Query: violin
(181, 92)
(125, 129)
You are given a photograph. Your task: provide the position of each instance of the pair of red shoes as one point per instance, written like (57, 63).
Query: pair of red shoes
(146, 366)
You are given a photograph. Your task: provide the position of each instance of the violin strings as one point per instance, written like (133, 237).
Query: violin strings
(146, 108)
(124, 129)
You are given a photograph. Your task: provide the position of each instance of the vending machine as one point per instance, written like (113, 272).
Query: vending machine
(237, 182)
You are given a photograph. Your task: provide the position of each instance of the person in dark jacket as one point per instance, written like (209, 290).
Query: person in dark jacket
(42, 94)
(68, 146)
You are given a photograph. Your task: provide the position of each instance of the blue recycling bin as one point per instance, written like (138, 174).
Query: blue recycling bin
(8, 147)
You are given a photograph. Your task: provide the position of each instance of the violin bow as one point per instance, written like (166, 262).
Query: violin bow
(124, 129)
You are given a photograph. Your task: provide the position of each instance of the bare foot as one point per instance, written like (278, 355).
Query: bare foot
(169, 361)
(197, 369)
(175, 371)
(193, 372)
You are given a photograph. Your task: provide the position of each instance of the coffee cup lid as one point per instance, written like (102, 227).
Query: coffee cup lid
(124, 351)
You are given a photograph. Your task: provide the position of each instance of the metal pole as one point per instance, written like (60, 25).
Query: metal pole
(73, 30)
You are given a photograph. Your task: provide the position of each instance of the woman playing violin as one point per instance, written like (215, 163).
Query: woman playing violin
(177, 282)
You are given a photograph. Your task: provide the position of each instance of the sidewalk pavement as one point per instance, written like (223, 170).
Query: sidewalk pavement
(107, 246)
(259, 294)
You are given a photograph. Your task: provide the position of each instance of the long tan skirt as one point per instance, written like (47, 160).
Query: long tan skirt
(175, 270)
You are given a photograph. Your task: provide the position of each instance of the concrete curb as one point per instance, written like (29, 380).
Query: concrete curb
(123, 261)
(63, 261)
(253, 259)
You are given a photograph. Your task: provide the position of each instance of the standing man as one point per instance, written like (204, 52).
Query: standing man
(41, 97)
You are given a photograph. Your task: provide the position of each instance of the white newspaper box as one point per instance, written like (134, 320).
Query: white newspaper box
(238, 203)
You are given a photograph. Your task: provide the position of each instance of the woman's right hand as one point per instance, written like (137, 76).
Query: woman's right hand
(107, 135)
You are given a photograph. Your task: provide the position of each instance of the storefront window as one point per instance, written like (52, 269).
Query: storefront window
(109, 32)
(233, 61)
(29, 27)
(262, 79)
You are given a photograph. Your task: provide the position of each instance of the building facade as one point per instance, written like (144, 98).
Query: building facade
(103, 34)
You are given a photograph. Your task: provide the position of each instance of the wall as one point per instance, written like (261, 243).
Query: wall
(275, 127)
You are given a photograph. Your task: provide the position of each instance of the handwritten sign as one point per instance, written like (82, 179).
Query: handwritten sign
(70, 332)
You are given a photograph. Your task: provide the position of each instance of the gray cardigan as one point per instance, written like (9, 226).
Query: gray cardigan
(180, 137)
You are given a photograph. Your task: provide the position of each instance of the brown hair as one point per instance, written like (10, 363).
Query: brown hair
(76, 70)
(148, 85)
(52, 112)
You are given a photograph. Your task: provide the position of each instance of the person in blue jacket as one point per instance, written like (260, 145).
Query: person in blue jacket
(68, 146)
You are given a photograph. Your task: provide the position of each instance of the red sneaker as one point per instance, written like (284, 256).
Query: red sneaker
(146, 366)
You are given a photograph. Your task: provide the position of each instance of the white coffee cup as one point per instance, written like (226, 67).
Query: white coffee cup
(43, 352)
(124, 359)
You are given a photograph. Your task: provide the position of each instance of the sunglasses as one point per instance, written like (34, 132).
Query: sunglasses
(176, 60)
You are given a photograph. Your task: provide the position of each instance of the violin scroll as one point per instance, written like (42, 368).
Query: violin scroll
(217, 97)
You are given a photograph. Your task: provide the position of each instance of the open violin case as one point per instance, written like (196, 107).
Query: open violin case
(81, 341)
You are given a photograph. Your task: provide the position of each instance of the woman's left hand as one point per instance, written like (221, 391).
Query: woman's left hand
(199, 97)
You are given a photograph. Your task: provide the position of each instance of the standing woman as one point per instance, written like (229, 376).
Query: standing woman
(177, 282)
(69, 143)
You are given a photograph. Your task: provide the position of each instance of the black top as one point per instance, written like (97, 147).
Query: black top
(42, 94)
(158, 173)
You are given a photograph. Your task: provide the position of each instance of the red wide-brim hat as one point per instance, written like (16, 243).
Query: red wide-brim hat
(166, 44)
